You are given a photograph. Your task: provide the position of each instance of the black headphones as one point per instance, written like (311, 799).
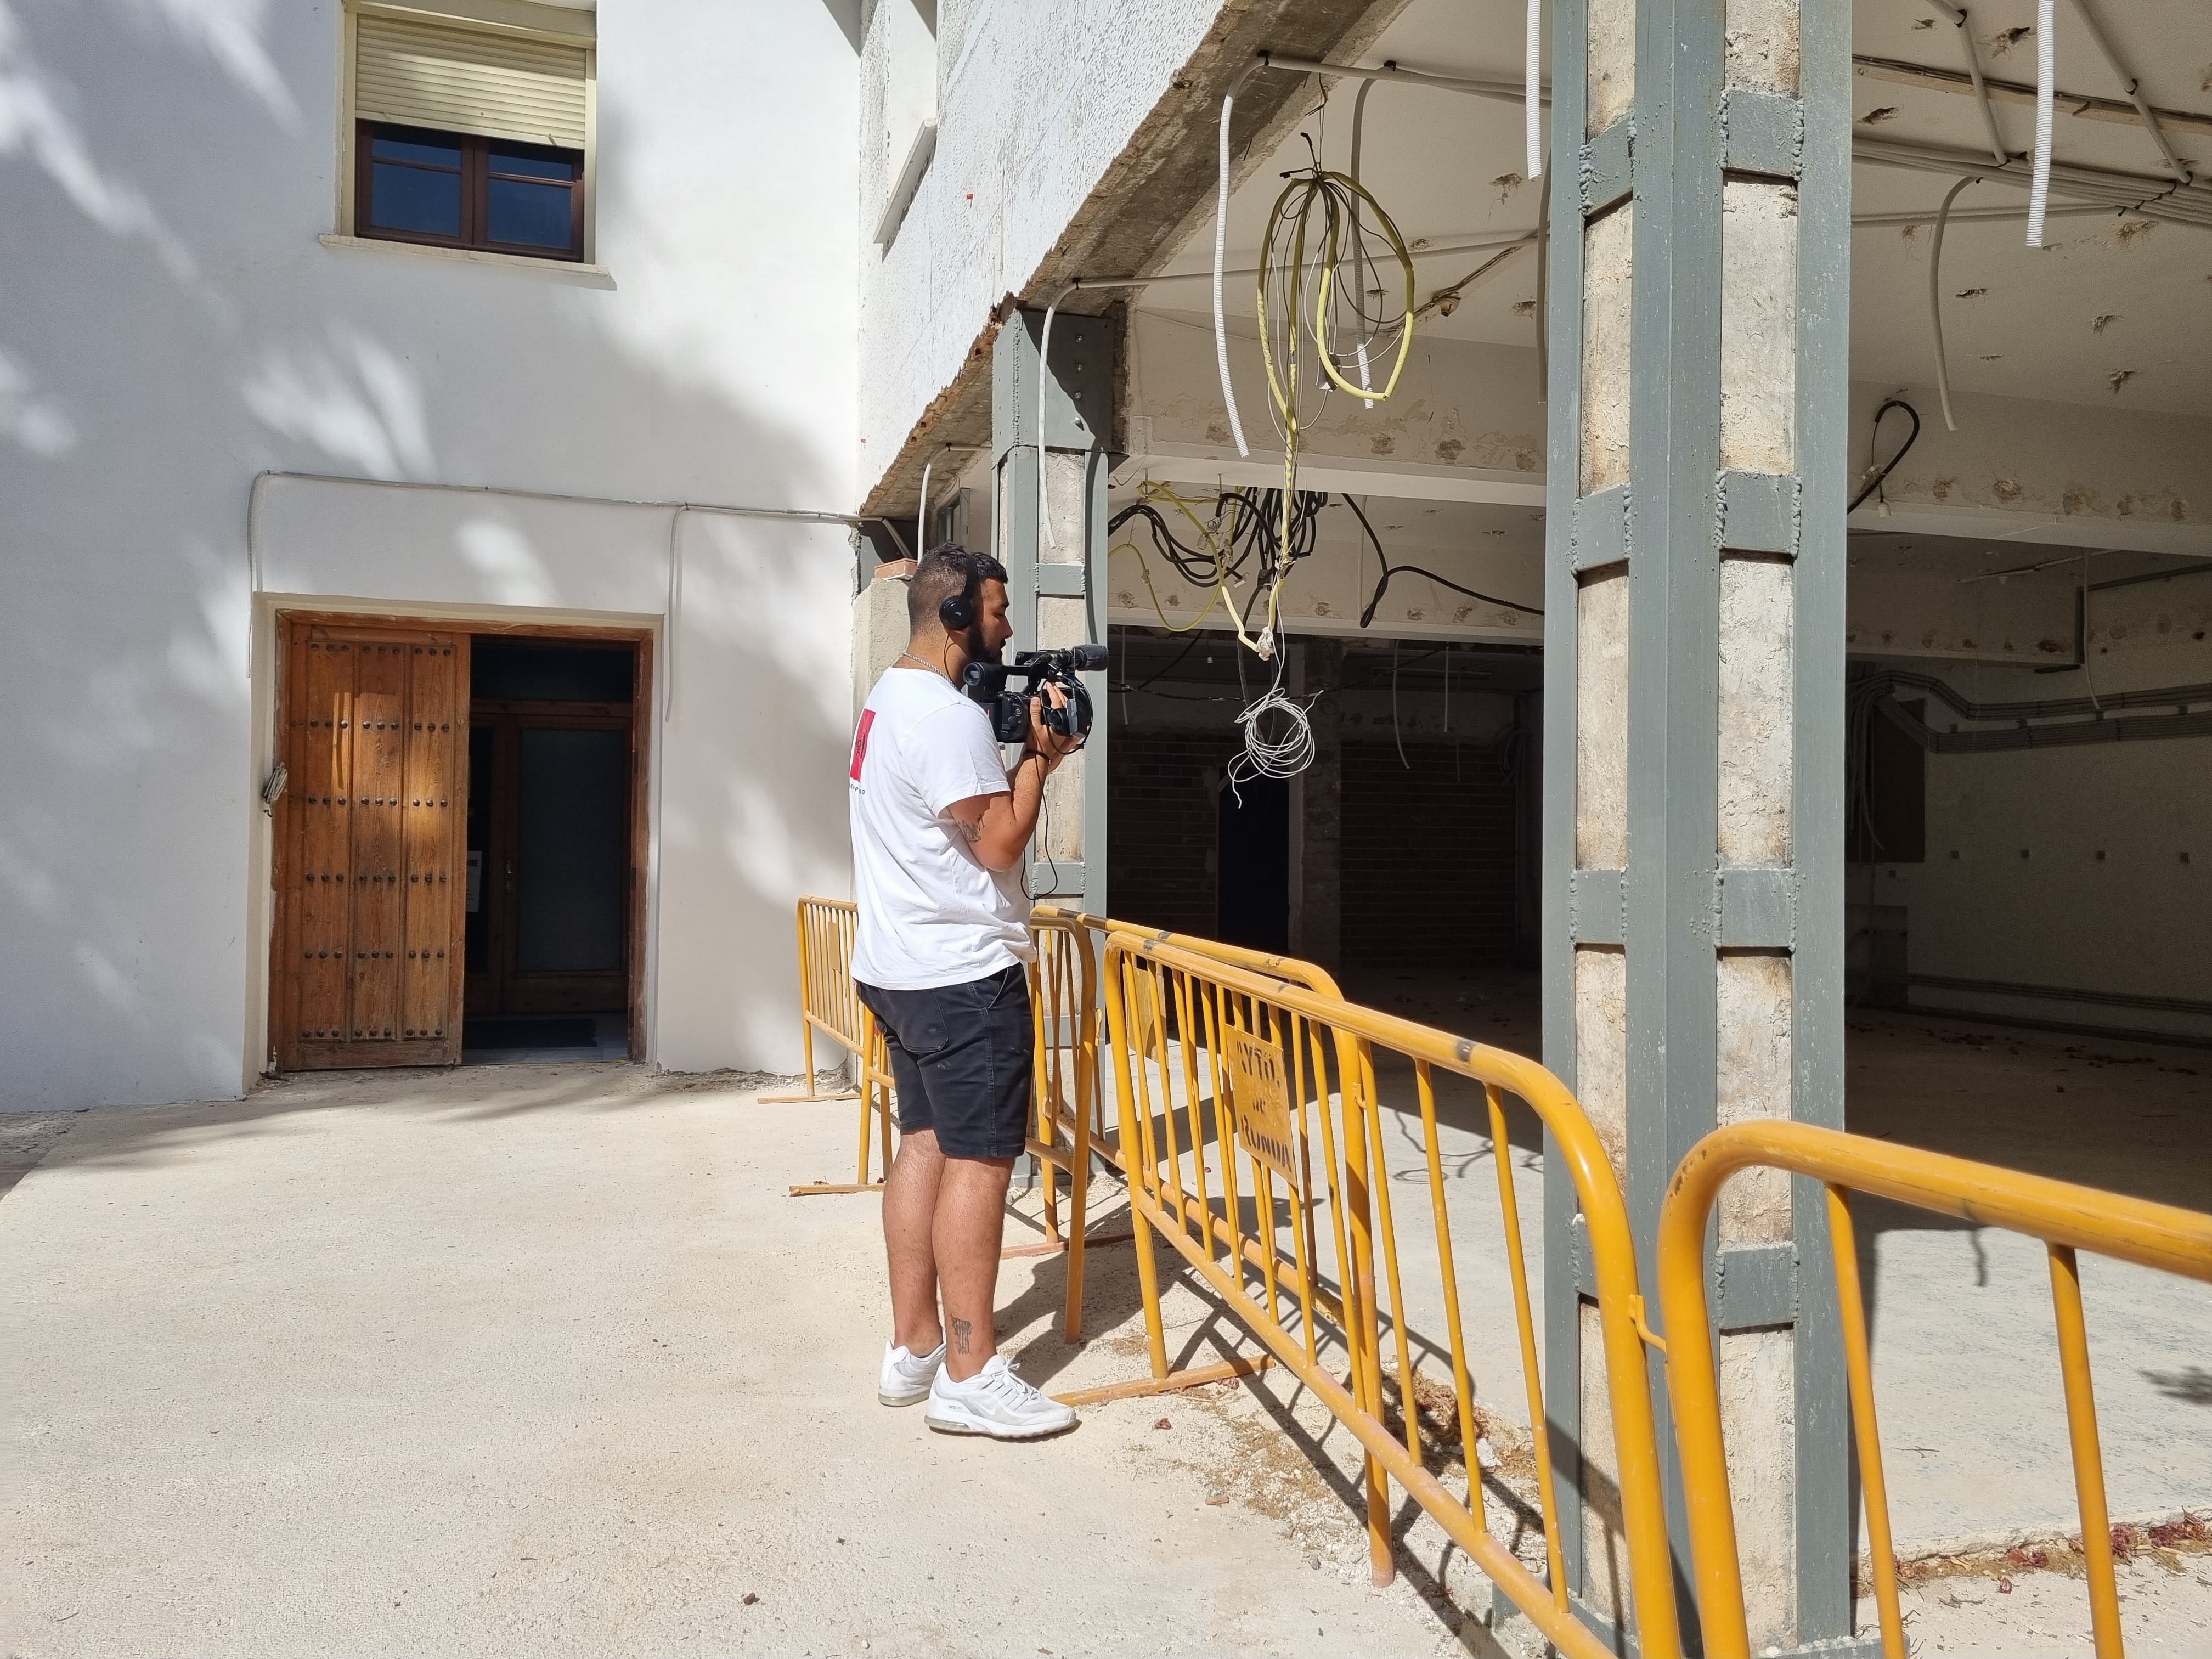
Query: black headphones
(957, 611)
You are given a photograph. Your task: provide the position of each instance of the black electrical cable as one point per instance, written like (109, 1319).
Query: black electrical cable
(1890, 466)
(1247, 526)
(1382, 583)
(1188, 645)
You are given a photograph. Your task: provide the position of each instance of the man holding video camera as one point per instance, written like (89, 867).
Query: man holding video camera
(940, 826)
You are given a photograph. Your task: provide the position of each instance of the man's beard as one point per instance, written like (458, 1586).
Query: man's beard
(994, 658)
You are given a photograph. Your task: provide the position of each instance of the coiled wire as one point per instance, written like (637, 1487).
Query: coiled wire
(1278, 741)
(1323, 234)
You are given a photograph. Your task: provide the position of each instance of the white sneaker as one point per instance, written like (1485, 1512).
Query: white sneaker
(997, 1402)
(905, 1376)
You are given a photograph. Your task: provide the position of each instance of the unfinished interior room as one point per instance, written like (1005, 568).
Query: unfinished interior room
(1733, 486)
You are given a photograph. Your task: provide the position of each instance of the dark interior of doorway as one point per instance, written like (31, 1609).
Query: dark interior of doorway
(1252, 894)
(551, 789)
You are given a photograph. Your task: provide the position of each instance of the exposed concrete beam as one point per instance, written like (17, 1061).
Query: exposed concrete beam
(1350, 475)
(1158, 190)
(2139, 534)
(2117, 110)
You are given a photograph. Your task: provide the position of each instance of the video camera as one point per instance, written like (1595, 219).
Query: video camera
(986, 682)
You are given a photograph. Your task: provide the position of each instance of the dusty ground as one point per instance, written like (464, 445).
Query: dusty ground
(542, 1359)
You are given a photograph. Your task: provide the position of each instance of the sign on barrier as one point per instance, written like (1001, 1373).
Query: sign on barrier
(2065, 1216)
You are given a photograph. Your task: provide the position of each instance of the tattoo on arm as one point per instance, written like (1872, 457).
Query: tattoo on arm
(962, 1330)
(970, 833)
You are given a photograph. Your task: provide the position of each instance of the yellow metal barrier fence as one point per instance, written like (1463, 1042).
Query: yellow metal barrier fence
(1214, 1062)
(1071, 1117)
(2065, 1216)
(828, 1003)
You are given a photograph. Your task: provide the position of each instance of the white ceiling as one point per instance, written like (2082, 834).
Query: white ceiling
(1447, 169)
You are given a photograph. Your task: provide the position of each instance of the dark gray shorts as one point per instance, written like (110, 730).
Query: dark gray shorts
(961, 1057)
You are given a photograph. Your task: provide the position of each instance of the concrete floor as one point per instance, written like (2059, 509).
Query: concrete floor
(542, 1357)
(1965, 1360)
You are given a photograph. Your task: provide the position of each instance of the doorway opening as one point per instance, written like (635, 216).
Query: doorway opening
(553, 848)
(1252, 845)
(459, 830)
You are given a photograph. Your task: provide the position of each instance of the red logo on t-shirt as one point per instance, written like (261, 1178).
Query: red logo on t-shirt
(861, 741)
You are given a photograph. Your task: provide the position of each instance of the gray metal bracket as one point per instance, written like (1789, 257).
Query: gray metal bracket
(1607, 166)
(1601, 529)
(1757, 907)
(1597, 909)
(1761, 132)
(1759, 513)
(1754, 1286)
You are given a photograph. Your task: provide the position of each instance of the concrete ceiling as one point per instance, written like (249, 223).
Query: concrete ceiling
(2108, 298)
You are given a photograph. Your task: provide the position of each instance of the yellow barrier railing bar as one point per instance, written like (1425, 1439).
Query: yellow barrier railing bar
(1064, 1007)
(827, 1000)
(2065, 1216)
(1267, 1068)
(873, 1063)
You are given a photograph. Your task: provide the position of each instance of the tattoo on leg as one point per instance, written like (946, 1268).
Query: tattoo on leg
(962, 1329)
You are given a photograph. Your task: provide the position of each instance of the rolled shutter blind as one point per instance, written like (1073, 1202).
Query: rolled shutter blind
(496, 86)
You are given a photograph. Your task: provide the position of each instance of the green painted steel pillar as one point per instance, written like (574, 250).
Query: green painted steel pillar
(1054, 551)
(1694, 811)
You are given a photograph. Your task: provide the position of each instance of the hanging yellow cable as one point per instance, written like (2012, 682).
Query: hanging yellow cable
(1345, 205)
(1150, 492)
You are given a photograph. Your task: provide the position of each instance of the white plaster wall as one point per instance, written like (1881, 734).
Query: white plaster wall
(2042, 472)
(1035, 102)
(172, 328)
(2135, 920)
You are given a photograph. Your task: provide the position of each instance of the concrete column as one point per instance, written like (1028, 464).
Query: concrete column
(1693, 912)
(880, 630)
(1056, 579)
(1317, 809)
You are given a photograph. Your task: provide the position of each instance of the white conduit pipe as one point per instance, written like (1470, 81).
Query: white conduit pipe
(2134, 88)
(1044, 348)
(1958, 17)
(1935, 299)
(1221, 256)
(1532, 101)
(922, 513)
(1358, 245)
(1543, 295)
(675, 602)
(2047, 81)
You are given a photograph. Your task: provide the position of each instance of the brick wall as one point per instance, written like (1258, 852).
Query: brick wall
(1428, 855)
(1160, 828)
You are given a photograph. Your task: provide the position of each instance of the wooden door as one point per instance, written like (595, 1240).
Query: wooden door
(369, 864)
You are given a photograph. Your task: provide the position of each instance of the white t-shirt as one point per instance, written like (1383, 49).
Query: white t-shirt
(931, 915)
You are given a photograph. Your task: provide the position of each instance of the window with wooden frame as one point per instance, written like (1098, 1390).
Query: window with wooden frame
(459, 190)
(472, 131)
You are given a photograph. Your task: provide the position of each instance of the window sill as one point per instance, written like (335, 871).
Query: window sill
(583, 276)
